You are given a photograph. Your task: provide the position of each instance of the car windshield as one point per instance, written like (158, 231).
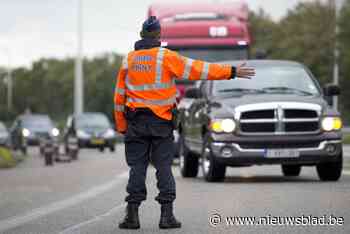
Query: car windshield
(271, 79)
(215, 54)
(92, 121)
(37, 122)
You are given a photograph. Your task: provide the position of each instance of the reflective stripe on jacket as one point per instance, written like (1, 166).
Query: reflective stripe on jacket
(147, 79)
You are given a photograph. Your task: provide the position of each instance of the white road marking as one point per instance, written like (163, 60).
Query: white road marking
(78, 226)
(56, 206)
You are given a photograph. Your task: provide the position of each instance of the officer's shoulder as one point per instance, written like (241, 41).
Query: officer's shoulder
(169, 52)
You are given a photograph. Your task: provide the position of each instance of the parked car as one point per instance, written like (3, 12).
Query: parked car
(93, 130)
(28, 129)
(4, 135)
(281, 116)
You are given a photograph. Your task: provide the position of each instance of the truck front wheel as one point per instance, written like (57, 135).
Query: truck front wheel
(188, 161)
(212, 170)
(330, 171)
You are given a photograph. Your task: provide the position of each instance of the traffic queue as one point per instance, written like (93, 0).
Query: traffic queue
(86, 130)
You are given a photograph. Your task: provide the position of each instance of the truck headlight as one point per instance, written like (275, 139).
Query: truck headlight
(331, 123)
(25, 132)
(55, 132)
(223, 125)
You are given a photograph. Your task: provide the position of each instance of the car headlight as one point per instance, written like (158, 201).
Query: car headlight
(82, 134)
(109, 133)
(55, 132)
(25, 132)
(223, 125)
(331, 124)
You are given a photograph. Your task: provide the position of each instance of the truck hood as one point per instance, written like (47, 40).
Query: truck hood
(225, 105)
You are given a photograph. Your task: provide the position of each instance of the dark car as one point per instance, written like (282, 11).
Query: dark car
(281, 116)
(93, 130)
(28, 129)
(4, 135)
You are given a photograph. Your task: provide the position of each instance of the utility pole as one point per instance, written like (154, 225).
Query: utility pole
(9, 82)
(79, 81)
(337, 6)
(9, 85)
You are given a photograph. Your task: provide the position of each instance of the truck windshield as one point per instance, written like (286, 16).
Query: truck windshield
(271, 79)
(215, 54)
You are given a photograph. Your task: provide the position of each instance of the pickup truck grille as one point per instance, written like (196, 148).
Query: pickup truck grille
(278, 118)
(279, 145)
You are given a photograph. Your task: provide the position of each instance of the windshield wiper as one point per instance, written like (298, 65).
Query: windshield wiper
(241, 90)
(284, 89)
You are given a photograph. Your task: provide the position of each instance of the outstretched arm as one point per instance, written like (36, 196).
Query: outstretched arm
(186, 68)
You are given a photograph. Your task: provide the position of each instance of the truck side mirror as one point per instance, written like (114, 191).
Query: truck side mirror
(193, 93)
(331, 90)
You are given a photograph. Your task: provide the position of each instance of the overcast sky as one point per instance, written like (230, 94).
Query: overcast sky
(31, 29)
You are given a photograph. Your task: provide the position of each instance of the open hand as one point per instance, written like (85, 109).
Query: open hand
(244, 72)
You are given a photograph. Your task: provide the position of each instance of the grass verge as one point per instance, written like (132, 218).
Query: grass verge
(8, 159)
(346, 138)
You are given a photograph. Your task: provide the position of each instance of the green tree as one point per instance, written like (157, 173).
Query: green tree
(344, 47)
(307, 35)
(262, 30)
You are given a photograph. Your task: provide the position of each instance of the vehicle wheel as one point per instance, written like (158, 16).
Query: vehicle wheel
(48, 159)
(291, 170)
(330, 171)
(188, 161)
(112, 148)
(73, 154)
(212, 170)
(101, 149)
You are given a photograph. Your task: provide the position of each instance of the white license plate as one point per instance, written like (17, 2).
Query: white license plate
(282, 153)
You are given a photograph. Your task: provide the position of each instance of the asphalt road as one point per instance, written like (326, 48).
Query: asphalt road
(87, 196)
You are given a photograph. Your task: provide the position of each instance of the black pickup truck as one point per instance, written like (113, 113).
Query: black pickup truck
(281, 116)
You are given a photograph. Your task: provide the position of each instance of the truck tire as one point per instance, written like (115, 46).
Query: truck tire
(188, 161)
(331, 171)
(291, 170)
(212, 170)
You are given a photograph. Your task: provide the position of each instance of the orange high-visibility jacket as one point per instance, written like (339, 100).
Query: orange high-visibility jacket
(147, 79)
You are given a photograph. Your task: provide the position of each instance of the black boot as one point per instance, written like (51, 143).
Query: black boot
(167, 218)
(131, 220)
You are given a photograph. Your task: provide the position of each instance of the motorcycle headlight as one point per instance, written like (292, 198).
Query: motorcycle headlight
(82, 134)
(25, 132)
(109, 133)
(223, 125)
(331, 124)
(55, 132)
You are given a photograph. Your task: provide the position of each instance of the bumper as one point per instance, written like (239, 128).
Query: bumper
(89, 143)
(32, 141)
(232, 154)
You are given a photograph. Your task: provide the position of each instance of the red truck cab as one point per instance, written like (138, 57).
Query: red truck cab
(207, 31)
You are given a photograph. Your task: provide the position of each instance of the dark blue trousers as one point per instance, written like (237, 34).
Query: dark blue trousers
(149, 139)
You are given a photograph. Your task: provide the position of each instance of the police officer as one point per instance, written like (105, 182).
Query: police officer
(144, 100)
